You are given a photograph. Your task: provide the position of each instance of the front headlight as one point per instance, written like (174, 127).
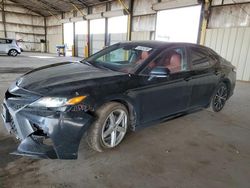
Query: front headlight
(56, 102)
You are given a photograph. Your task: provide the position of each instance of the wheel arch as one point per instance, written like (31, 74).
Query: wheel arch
(131, 111)
(124, 101)
(12, 49)
(228, 84)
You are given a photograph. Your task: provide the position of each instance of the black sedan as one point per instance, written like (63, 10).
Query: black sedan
(123, 87)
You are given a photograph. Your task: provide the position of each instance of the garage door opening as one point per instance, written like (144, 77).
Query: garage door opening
(68, 37)
(178, 25)
(117, 29)
(97, 35)
(81, 31)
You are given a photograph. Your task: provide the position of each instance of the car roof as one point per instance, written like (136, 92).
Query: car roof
(161, 44)
(7, 39)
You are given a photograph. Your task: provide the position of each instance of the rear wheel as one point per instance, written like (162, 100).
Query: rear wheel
(219, 98)
(13, 53)
(110, 127)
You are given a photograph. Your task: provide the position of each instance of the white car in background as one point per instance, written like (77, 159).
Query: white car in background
(9, 47)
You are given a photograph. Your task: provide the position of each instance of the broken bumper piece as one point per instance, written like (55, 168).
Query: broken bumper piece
(34, 147)
(45, 133)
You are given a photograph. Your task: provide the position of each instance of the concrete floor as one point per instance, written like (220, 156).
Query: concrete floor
(202, 149)
(27, 61)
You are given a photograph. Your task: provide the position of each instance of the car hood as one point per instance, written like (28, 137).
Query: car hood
(62, 75)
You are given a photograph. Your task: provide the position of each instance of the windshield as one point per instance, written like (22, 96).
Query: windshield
(120, 57)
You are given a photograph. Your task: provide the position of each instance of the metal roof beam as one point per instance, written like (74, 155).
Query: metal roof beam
(50, 6)
(28, 7)
(83, 2)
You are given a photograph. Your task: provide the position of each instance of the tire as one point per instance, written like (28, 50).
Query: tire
(13, 53)
(104, 133)
(219, 97)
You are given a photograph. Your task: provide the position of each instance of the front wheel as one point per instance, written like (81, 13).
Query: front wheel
(219, 98)
(13, 53)
(110, 127)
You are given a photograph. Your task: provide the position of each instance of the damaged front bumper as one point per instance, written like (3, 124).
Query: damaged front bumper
(44, 133)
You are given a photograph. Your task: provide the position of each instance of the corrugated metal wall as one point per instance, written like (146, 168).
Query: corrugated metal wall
(117, 37)
(81, 41)
(234, 45)
(97, 42)
(228, 34)
(22, 24)
(54, 34)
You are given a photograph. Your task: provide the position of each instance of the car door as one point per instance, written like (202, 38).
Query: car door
(2, 45)
(9, 45)
(205, 76)
(163, 95)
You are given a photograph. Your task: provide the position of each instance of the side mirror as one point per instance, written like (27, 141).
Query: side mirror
(160, 72)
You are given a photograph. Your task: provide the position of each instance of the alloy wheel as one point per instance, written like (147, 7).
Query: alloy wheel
(13, 53)
(114, 128)
(220, 98)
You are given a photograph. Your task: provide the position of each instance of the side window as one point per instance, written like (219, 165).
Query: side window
(2, 41)
(8, 41)
(173, 60)
(200, 59)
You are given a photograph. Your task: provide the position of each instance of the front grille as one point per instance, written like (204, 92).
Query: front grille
(17, 102)
(13, 126)
(10, 95)
(37, 130)
(17, 106)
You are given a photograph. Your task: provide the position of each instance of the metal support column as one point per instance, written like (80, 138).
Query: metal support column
(129, 11)
(107, 40)
(62, 16)
(130, 18)
(4, 19)
(205, 17)
(88, 39)
(45, 33)
(74, 54)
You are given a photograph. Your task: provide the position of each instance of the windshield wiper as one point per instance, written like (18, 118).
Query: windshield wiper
(102, 67)
(97, 65)
(86, 63)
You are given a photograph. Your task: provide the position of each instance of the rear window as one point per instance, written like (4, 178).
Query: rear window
(201, 59)
(8, 41)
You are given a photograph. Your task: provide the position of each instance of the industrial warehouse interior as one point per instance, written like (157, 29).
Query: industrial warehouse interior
(79, 123)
